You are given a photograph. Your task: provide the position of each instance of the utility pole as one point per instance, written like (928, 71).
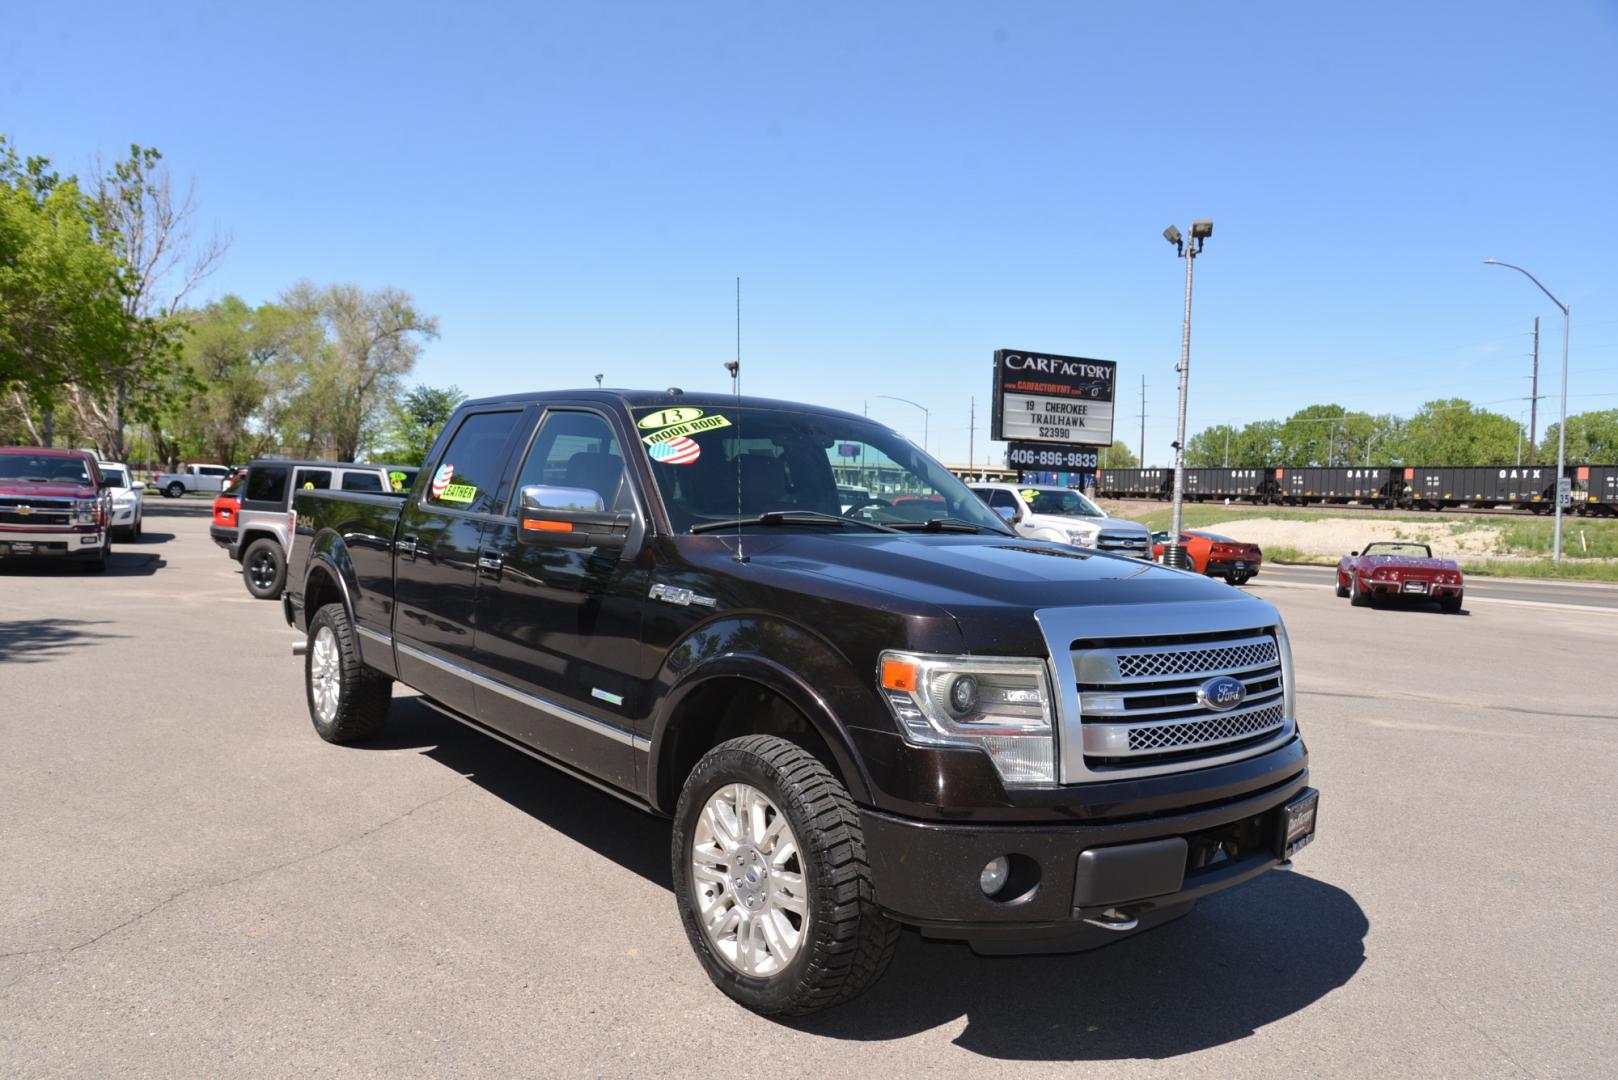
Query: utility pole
(1227, 447)
(1533, 400)
(972, 438)
(1143, 421)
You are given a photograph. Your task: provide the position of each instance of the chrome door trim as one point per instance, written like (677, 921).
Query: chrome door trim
(539, 704)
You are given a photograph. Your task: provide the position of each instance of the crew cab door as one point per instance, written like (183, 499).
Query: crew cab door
(559, 603)
(435, 556)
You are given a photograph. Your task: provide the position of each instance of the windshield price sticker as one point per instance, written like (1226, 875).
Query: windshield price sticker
(1044, 398)
(663, 418)
(690, 427)
(1043, 456)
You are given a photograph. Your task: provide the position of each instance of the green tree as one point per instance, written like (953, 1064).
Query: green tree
(1211, 447)
(1453, 432)
(229, 354)
(1117, 456)
(417, 419)
(1592, 439)
(346, 353)
(61, 292)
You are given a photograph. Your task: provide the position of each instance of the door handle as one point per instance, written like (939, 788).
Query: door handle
(407, 547)
(490, 563)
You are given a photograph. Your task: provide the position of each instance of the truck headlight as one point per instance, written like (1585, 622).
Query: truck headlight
(1082, 539)
(1000, 705)
(1289, 692)
(84, 511)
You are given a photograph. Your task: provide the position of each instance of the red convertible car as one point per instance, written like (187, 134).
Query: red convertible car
(1398, 568)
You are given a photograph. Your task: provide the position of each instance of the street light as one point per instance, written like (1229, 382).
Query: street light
(926, 416)
(1174, 554)
(1561, 429)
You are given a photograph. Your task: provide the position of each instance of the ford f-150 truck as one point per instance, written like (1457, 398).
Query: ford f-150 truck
(203, 478)
(859, 714)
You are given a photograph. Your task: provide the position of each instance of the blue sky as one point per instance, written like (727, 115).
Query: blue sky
(573, 188)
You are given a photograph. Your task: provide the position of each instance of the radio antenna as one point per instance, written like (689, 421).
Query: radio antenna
(735, 369)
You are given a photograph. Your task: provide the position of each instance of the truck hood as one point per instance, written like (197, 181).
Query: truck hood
(23, 489)
(1122, 526)
(971, 576)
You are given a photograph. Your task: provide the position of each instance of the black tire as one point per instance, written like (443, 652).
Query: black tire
(1450, 605)
(1237, 579)
(362, 694)
(264, 568)
(98, 563)
(846, 940)
(1342, 590)
(1356, 595)
(174, 490)
(134, 532)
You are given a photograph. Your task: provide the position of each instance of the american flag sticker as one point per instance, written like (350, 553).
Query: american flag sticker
(441, 479)
(677, 451)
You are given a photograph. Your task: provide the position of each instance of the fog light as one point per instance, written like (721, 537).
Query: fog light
(963, 695)
(993, 876)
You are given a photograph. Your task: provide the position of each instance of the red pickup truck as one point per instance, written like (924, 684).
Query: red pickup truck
(53, 503)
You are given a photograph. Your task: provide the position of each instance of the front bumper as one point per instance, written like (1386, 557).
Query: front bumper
(49, 542)
(1150, 869)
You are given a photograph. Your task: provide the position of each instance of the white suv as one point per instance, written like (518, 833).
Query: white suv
(126, 499)
(1043, 512)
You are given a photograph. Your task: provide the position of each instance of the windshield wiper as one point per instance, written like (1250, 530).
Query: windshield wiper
(941, 524)
(791, 517)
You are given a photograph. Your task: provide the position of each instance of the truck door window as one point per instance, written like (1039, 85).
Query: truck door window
(361, 481)
(267, 483)
(468, 474)
(313, 480)
(577, 450)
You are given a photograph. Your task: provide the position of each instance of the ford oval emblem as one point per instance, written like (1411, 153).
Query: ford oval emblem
(1221, 693)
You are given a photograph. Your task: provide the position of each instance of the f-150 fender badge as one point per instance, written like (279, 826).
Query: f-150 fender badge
(671, 594)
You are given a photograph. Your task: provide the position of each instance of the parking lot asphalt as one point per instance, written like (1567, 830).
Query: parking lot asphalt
(193, 884)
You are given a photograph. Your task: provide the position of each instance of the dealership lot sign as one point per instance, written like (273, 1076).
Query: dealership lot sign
(1054, 400)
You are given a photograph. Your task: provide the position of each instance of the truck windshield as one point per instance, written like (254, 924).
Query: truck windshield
(43, 469)
(1061, 503)
(723, 464)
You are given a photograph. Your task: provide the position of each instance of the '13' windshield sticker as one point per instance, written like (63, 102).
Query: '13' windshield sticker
(690, 427)
(668, 417)
(677, 451)
(441, 479)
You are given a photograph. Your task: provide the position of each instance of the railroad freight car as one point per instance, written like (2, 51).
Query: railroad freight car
(1435, 487)
(1596, 489)
(1135, 483)
(1371, 486)
(1237, 485)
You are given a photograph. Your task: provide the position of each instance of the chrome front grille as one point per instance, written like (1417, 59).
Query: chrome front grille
(1202, 732)
(24, 511)
(1127, 543)
(1212, 661)
(1140, 702)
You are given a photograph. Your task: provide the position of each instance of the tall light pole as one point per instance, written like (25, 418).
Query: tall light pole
(1561, 429)
(926, 416)
(1174, 554)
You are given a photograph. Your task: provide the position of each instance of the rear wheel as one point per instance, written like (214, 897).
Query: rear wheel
(1450, 605)
(1237, 579)
(348, 701)
(174, 490)
(264, 568)
(771, 879)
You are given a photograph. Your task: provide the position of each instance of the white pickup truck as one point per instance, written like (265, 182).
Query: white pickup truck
(204, 478)
(1044, 512)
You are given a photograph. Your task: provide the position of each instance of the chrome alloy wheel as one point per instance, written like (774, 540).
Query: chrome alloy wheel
(325, 674)
(747, 881)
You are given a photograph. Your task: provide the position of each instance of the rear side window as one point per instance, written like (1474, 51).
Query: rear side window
(314, 480)
(267, 483)
(469, 472)
(215, 470)
(361, 481)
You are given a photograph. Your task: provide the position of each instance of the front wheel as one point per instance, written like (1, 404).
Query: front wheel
(1356, 595)
(348, 702)
(771, 879)
(1342, 590)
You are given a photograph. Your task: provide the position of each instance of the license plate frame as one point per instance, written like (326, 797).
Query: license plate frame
(1299, 819)
(1414, 587)
(19, 547)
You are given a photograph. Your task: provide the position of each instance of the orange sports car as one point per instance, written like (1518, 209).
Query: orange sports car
(1214, 555)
